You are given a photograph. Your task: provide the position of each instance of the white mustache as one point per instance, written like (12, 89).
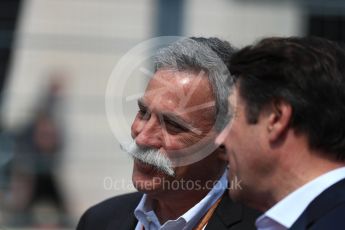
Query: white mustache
(150, 156)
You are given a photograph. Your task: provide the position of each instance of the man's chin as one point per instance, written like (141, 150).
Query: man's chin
(146, 178)
(146, 184)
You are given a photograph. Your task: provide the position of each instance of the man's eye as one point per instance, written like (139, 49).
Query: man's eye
(144, 114)
(173, 127)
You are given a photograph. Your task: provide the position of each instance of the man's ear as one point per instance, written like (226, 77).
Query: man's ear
(278, 119)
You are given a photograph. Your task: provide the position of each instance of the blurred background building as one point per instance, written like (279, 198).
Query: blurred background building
(57, 152)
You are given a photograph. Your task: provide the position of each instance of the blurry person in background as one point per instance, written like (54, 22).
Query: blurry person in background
(34, 197)
(167, 128)
(286, 138)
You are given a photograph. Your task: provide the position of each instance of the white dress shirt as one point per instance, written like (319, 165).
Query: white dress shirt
(283, 214)
(147, 217)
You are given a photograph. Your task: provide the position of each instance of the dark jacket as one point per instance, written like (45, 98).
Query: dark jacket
(327, 211)
(118, 213)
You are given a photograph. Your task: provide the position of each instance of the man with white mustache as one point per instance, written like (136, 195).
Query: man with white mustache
(179, 172)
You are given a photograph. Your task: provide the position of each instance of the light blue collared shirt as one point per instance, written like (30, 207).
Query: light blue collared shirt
(283, 214)
(147, 217)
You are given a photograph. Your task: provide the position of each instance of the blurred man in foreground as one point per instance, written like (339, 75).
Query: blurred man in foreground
(177, 167)
(286, 138)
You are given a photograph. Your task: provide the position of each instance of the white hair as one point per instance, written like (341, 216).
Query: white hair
(150, 156)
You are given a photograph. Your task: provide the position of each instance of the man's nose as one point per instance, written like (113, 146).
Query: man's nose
(220, 138)
(149, 134)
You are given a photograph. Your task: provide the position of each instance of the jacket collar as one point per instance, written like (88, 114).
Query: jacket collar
(326, 201)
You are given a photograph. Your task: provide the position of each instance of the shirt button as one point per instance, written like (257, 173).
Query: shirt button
(149, 219)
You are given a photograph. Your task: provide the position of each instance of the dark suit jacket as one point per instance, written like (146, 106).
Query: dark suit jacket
(118, 213)
(327, 211)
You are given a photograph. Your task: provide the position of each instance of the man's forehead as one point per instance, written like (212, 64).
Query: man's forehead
(182, 87)
(173, 80)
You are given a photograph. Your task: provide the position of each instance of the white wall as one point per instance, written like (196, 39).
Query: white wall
(241, 21)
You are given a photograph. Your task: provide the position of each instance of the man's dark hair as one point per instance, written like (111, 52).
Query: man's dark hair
(307, 73)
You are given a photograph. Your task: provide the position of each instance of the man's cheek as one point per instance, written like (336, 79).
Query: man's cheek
(188, 140)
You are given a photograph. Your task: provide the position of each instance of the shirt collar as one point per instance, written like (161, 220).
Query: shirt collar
(287, 211)
(146, 215)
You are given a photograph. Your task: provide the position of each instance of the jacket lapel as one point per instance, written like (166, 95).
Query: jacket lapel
(128, 223)
(321, 205)
(226, 215)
